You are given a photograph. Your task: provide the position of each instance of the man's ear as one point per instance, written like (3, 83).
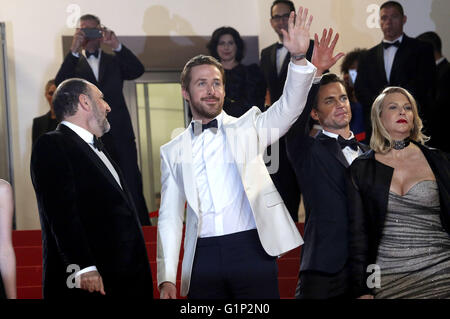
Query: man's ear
(405, 18)
(84, 102)
(314, 114)
(186, 95)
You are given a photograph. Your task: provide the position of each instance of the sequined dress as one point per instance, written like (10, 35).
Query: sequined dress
(414, 251)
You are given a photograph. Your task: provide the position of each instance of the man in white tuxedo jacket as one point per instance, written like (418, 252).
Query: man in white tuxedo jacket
(236, 221)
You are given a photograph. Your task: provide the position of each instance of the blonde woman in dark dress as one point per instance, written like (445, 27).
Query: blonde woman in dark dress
(399, 207)
(7, 256)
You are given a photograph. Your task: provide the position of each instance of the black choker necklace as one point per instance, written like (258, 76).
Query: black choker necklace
(399, 145)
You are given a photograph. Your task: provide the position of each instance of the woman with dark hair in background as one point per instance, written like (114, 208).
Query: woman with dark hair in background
(7, 256)
(244, 85)
(399, 207)
(348, 69)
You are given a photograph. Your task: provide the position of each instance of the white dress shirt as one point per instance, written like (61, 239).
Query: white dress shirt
(281, 55)
(349, 153)
(88, 137)
(224, 206)
(389, 56)
(94, 62)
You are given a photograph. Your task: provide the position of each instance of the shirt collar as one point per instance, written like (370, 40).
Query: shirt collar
(219, 119)
(400, 39)
(335, 136)
(84, 134)
(440, 60)
(93, 57)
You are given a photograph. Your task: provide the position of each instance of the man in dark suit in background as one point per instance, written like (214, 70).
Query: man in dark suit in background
(397, 61)
(320, 164)
(88, 218)
(274, 65)
(108, 72)
(46, 122)
(440, 111)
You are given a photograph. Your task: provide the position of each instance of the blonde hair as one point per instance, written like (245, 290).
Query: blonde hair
(381, 141)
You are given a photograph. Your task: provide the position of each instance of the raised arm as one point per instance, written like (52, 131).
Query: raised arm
(282, 114)
(323, 60)
(130, 66)
(296, 39)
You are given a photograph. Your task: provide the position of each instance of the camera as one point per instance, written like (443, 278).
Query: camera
(92, 33)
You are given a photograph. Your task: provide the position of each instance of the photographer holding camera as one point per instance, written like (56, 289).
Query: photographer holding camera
(86, 60)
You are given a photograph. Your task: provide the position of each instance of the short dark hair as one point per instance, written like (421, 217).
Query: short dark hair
(327, 79)
(394, 4)
(350, 58)
(214, 42)
(196, 61)
(433, 38)
(65, 98)
(89, 16)
(49, 84)
(290, 4)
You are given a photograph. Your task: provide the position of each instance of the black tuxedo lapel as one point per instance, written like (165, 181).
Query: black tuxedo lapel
(104, 60)
(284, 67)
(86, 70)
(399, 60)
(380, 65)
(363, 147)
(125, 191)
(96, 160)
(333, 146)
(273, 61)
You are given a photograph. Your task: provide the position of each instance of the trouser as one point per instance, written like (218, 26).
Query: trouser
(319, 285)
(233, 266)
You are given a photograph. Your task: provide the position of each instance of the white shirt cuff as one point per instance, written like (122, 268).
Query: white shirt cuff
(76, 54)
(317, 79)
(82, 271)
(118, 48)
(302, 68)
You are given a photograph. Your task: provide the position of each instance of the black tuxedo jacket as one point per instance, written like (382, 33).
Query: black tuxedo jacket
(43, 124)
(368, 185)
(441, 111)
(320, 168)
(275, 82)
(86, 219)
(413, 69)
(120, 140)
(284, 179)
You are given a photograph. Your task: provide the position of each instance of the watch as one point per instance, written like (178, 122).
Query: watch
(298, 57)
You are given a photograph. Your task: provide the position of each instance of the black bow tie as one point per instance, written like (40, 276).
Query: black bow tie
(98, 144)
(211, 124)
(352, 143)
(279, 45)
(387, 45)
(88, 54)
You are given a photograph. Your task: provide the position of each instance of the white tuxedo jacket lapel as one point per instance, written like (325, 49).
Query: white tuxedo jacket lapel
(188, 181)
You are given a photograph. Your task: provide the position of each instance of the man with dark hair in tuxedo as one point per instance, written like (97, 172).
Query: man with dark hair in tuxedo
(88, 218)
(320, 164)
(46, 122)
(440, 110)
(88, 61)
(274, 65)
(397, 61)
